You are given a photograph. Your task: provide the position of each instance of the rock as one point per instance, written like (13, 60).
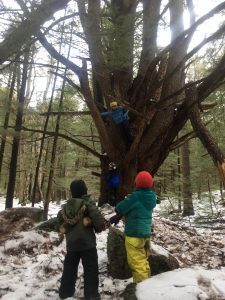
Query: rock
(160, 260)
(17, 213)
(117, 258)
(14, 220)
(129, 292)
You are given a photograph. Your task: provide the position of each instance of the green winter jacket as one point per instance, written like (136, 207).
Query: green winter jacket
(137, 209)
(78, 236)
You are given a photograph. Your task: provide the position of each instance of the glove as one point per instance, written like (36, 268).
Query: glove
(115, 219)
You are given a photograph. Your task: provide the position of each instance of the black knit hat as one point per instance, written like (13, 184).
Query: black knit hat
(78, 188)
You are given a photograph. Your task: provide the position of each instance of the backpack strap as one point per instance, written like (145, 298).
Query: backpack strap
(76, 218)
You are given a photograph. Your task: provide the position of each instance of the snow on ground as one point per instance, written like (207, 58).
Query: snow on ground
(185, 284)
(31, 265)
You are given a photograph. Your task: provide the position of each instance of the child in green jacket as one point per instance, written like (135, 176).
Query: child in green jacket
(137, 209)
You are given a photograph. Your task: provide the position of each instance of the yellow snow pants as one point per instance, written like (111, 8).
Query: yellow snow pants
(137, 257)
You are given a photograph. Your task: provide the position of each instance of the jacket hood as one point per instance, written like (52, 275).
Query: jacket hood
(145, 196)
(73, 205)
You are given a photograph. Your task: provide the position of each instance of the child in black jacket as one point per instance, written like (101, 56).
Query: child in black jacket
(80, 241)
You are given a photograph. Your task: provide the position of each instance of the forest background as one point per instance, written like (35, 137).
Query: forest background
(59, 70)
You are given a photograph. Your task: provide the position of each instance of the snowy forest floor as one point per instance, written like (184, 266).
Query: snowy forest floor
(31, 263)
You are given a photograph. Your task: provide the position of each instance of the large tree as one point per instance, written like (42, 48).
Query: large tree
(128, 65)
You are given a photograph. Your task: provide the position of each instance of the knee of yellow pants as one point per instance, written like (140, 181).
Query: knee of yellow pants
(139, 277)
(141, 272)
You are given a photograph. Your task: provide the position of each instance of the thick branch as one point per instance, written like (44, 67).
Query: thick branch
(181, 38)
(85, 90)
(203, 133)
(192, 28)
(150, 26)
(30, 26)
(212, 37)
(55, 54)
(213, 81)
(103, 134)
(90, 21)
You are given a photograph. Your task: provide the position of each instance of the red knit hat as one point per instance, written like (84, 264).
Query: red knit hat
(143, 180)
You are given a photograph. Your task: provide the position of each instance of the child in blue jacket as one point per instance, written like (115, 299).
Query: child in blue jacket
(137, 209)
(120, 116)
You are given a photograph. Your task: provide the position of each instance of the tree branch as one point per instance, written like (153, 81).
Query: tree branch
(203, 134)
(72, 140)
(213, 81)
(70, 81)
(182, 140)
(150, 26)
(55, 54)
(30, 26)
(181, 37)
(90, 21)
(66, 113)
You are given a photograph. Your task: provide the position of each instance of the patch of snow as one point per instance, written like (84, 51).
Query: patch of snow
(185, 284)
(159, 250)
(36, 275)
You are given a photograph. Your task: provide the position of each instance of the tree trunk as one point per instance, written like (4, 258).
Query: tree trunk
(16, 139)
(6, 121)
(55, 141)
(179, 178)
(36, 175)
(104, 191)
(188, 208)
